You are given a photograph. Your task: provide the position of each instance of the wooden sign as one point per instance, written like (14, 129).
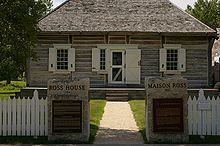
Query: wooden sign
(168, 115)
(67, 116)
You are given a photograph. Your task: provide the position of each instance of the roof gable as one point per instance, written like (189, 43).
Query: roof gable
(121, 15)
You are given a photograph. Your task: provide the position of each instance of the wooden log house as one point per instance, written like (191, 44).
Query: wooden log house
(117, 43)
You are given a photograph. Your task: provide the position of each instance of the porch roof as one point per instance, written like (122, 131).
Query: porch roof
(121, 16)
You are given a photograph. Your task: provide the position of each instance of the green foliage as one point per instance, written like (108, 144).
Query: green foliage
(18, 29)
(7, 90)
(207, 11)
(7, 69)
(15, 85)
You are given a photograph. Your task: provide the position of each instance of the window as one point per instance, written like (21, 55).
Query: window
(172, 59)
(62, 59)
(102, 59)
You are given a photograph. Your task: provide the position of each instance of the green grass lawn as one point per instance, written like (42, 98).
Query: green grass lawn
(138, 109)
(10, 89)
(96, 112)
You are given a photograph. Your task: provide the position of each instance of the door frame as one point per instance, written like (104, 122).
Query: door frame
(117, 66)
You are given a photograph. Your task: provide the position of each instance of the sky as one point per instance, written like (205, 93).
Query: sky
(180, 3)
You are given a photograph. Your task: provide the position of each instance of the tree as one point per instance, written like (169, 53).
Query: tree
(18, 29)
(207, 11)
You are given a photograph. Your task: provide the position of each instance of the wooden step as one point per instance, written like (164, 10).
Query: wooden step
(116, 96)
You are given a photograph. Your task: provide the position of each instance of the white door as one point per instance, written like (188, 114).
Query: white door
(133, 68)
(117, 66)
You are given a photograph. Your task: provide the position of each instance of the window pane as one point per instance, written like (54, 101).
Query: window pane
(172, 59)
(117, 58)
(62, 59)
(102, 59)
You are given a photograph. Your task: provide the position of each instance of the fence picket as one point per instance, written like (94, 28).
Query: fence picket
(4, 117)
(209, 119)
(18, 117)
(9, 117)
(190, 117)
(46, 117)
(37, 110)
(28, 112)
(33, 112)
(199, 122)
(14, 116)
(195, 116)
(204, 122)
(42, 117)
(213, 110)
(23, 114)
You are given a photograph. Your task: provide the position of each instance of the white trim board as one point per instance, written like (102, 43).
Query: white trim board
(117, 46)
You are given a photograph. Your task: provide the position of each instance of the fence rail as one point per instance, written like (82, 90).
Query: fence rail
(23, 117)
(28, 117)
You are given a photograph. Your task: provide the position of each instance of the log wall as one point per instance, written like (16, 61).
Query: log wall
(196, 56)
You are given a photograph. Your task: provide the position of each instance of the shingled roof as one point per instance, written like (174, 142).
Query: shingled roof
(120, 15)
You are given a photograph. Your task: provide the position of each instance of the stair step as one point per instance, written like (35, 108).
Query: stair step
(117, 98)
(116, 94)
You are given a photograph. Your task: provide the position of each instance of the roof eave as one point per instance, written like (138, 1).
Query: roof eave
(209, 34)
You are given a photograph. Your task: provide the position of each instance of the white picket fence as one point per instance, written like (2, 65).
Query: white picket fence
(204, 115)
(23, 117)
(29, 117)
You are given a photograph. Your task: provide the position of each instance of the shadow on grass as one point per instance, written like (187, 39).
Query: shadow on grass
(31, 140)
(194, 139)
(143, 133)
(108, 135)
(44, 139)
(93, 131)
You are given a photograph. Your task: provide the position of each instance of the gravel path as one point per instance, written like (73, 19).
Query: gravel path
(118, 125)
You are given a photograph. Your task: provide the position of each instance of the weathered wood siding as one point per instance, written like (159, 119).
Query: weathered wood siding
(38, 70)
(196, 52)
(196, 59)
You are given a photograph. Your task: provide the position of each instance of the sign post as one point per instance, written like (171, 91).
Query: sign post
(166, 110)
(68, 110)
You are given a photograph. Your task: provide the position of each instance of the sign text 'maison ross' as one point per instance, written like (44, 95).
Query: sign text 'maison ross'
(167, 85)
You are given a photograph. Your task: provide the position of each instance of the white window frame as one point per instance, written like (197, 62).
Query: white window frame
(53, 58)
(102, 59)
(172, 67)
(62, 60)
(181, 65)
(96, 61)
